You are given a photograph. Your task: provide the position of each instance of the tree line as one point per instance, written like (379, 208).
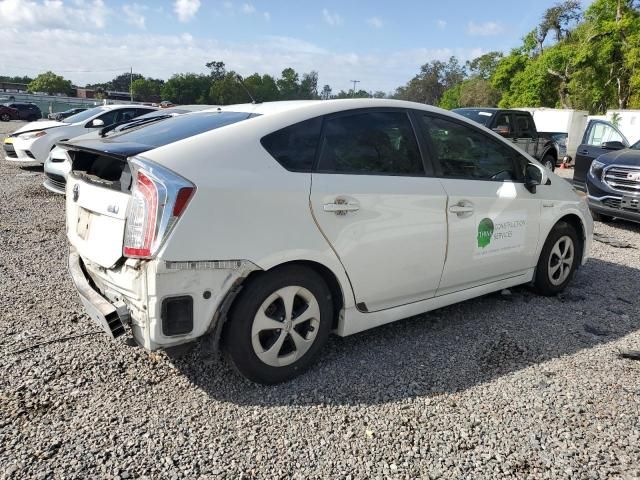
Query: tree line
(588, 60)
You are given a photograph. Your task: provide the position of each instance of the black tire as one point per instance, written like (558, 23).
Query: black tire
(600, 217)
(549, 161)
(543, 282)
(5, 117)
(238, 341)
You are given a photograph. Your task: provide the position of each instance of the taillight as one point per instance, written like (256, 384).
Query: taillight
(158, 199)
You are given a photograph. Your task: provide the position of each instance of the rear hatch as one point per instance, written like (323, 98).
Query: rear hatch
(99, 185)
(98, 192)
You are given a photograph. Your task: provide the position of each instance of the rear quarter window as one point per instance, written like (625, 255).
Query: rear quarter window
(294, 147)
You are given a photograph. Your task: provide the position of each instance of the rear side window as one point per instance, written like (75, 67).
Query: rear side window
(374, 143)
(295, 146)
(525, 127)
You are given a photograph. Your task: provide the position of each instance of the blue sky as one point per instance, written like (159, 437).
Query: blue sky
(380, 43)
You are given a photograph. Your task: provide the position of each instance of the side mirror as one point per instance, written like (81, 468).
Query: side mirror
(534, 176)
(501, 130)
(615, 145)
(96, 123)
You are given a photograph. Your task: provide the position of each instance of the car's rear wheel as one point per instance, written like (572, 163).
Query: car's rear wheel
(5, 117)
(558, 260)
(549, 161)
(599, 217)
(278, 324)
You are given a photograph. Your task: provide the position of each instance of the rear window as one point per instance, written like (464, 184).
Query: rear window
(179, 127)
(483, 117)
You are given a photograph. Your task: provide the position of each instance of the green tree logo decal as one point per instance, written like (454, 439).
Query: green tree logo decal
(485, 231)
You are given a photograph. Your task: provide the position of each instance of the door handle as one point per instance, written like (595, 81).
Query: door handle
(584, 152)
(462, 209)
(341, 208)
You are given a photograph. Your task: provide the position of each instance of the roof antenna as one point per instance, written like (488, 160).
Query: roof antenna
(241, 82)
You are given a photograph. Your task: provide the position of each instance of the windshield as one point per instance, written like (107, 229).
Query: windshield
(636, 146)
(481, 116)
(86, 115)
(179, 127)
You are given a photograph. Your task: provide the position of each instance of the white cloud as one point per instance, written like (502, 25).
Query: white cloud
(442, 24)
(160, 56)
(267, 16)
(133, 15)
(53, 14)
(332, 19)
(248, 9)
(186, 9)
(375, 22)
(484, 29)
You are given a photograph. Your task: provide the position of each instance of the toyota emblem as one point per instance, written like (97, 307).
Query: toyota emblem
(76, 192)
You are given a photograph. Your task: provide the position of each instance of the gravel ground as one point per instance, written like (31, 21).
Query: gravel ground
(505, 386)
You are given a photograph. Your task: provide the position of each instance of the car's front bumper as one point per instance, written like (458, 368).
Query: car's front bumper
(614, 206)
(55, 173)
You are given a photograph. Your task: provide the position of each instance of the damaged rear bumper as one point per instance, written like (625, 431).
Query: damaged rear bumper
(111, 318)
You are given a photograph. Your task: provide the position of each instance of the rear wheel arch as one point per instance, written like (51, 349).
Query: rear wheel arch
(329, 277)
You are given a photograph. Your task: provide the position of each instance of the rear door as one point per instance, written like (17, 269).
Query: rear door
(381, 212)
(493, 220)
(597, 132)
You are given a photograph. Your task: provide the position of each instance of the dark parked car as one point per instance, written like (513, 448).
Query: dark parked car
(613, 180)
(599, 137)
(67, 113)
(7, 113)
(519, 127)
(26, 111)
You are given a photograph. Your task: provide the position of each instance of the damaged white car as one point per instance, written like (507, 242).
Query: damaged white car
(287, 221)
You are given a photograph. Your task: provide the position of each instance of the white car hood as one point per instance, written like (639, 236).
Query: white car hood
(40, 126)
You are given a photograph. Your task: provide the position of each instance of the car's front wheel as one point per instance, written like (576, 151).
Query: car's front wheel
(5, 117)
(559, 259)
(278, 324)
(549, 161)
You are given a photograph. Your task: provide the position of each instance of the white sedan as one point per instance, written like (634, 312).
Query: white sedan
(292, 220)
(34, 141)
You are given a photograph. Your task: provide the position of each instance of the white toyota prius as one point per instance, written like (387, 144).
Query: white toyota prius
(287, 221)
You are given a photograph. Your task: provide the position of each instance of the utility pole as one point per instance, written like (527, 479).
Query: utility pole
(131, 84)
(354, 86)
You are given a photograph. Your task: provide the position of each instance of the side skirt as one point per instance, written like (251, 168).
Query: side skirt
(354, 321)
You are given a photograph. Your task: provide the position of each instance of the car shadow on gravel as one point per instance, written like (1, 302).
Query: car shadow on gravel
(32, 168)
(447, 350)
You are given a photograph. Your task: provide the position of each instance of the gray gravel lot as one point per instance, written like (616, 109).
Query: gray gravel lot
(505, 386)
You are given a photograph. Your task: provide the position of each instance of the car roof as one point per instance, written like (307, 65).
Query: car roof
(125, 105)
(268, 108)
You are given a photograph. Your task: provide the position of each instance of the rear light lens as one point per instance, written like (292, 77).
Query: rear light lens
(158, 198)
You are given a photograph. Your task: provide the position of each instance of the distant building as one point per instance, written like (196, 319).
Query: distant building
(109, 94)
(10, 87)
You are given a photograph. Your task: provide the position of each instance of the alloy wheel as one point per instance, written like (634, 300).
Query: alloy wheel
(561, 260)
(285, 326)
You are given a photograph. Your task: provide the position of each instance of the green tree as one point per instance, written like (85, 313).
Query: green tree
(218, 70)
(326, 92)
(309, 86)
(146, 89)
(485, 65)
(122, 83)
(50, 83)
(288, 84)
(229, 90)
(186, 88)
(432, 81)
(451, 97)
(263, 88)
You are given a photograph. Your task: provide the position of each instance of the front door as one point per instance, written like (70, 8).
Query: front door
(526, 134)
(383, 216)
(492, 218)
(597, 132)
